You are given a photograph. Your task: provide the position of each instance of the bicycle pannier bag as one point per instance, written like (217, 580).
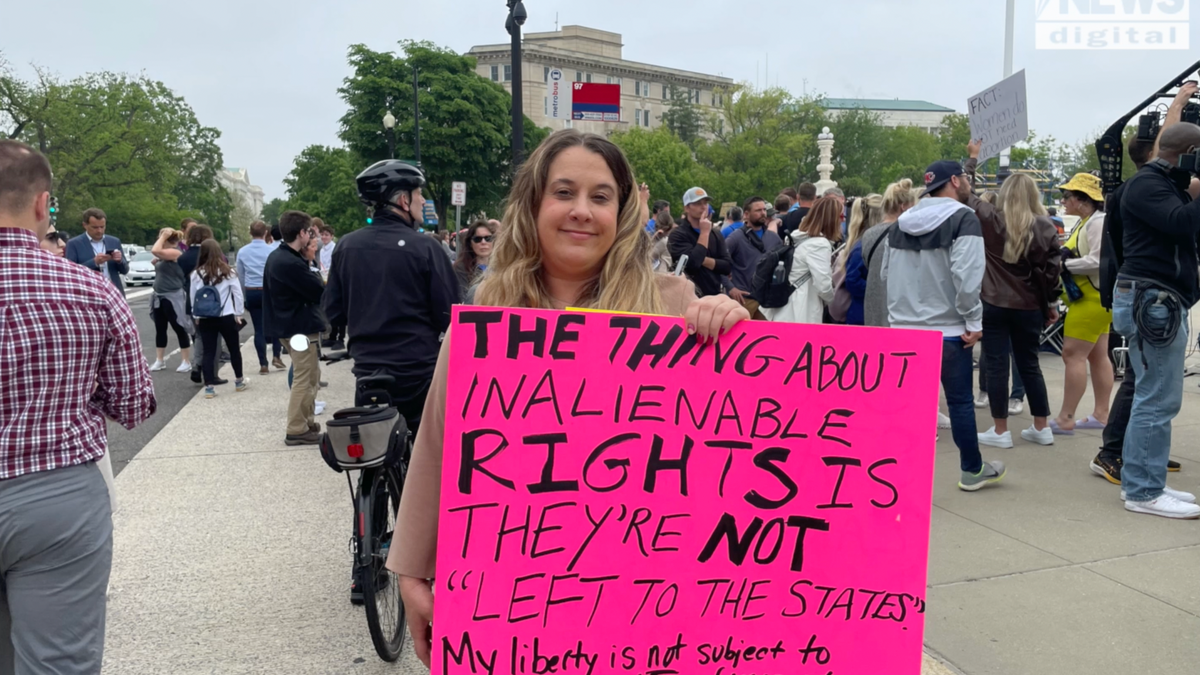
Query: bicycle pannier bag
(363, 438)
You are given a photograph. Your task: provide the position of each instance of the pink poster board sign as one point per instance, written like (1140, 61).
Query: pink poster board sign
(619, 499)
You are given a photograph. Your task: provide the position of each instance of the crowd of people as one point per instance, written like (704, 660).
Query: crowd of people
(989, 272)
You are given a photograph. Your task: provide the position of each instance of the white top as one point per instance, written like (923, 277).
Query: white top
(813, 258)
(327, 255)
(232, 303)
(1089, 243)
(98, 249)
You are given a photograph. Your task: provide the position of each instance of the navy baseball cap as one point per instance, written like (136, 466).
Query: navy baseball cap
(939, 173)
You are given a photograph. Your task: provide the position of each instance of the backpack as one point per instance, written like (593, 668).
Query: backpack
(772, 287)
(207, 304)
(839, 307)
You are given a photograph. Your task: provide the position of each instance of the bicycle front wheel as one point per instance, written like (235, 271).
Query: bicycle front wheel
(381, 588)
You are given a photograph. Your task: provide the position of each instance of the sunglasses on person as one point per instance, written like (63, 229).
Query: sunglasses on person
(480, 240)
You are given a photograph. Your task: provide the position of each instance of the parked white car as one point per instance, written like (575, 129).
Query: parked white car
(141, 270)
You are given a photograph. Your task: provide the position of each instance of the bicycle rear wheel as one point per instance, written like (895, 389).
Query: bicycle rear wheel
(381, 588)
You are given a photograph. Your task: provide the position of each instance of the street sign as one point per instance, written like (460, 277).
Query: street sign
(559, 91)
(458, 194)
(594, 102)
(430, 212)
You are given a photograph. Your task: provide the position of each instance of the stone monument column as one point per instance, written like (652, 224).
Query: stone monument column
(825, 168)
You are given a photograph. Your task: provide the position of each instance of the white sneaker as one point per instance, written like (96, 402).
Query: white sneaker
(1043, 437)
(157, 366)
(981, 401)
(1186, 497)
(1166, 506)
(185, 367)
(943, 421)
(1015, 406)
(319, 408)
(990, 437)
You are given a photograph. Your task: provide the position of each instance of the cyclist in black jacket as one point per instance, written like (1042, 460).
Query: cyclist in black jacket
(392, 287)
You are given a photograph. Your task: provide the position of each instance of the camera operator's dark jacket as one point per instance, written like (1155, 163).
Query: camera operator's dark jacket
(392, 287)
(291, 296)
(1158, 227)
(1110, 267)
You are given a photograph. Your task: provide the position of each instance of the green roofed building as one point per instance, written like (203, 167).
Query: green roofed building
(893, 112)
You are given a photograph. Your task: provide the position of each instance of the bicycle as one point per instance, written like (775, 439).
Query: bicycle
(373, 438)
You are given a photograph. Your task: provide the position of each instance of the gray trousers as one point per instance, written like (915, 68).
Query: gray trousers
(198, 355)
(55, 558)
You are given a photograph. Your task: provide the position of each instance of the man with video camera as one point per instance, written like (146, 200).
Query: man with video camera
(1158, 283)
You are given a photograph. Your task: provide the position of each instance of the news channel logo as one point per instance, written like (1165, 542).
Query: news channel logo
(1113, 24)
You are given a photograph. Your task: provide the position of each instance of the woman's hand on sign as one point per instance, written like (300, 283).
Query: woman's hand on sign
(708, 318)
(974, 147)
(418, 606)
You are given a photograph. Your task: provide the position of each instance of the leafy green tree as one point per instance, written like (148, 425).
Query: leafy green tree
(855, 186)
(859, 145)
(660, 160)
(322, 184)
(953, 137)
(465, 120)
(239, 223)
(764, 143)
(907, 151)
(125, 144)
(272, 210)
(683, 117)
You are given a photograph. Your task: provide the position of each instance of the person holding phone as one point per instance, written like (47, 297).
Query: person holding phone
(98, 251)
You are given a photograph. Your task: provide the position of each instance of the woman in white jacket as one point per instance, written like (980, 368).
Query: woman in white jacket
(220, 316)
(812, 266)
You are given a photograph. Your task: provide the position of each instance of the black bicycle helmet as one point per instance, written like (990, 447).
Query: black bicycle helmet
(381, 180)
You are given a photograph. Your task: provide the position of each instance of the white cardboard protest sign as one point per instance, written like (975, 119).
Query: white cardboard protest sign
(999, 116)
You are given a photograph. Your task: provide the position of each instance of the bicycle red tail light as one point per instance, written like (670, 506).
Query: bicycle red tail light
(355, 450)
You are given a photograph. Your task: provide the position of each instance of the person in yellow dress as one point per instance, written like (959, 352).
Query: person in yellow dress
(1087, 321)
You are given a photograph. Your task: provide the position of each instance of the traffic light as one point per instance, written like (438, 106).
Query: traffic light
(54, 211)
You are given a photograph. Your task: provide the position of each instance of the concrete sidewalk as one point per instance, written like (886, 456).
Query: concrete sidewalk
(231, 550)
(231, 555)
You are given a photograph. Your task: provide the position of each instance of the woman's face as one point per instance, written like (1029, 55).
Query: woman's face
(481, 243)
(1072, 205)
(577, 219)
(310, 251)
(52, 243)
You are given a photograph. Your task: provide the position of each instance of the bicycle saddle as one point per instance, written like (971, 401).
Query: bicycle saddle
(378, 381)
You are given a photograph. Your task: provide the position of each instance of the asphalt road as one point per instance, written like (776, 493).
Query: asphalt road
(173, 390)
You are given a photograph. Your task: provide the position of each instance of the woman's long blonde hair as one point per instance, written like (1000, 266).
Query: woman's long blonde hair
(866, 213)
(626, 282)
(1019, 204)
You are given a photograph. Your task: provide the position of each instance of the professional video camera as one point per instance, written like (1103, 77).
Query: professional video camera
(1111, 150)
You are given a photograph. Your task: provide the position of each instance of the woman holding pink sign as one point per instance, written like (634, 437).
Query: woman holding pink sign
(572, 237)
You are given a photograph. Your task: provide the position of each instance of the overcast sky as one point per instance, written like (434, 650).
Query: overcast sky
(265, 72)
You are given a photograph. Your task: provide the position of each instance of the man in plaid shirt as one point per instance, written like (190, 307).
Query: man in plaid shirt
(69, 357)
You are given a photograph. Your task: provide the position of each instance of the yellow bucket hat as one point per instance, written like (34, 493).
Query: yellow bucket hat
(1087, 184)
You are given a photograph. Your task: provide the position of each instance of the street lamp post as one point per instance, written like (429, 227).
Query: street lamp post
(516, 19)
(1009, 20)
(389, 125)
(416, 119)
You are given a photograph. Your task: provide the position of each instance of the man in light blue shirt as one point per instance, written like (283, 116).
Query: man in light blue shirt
(251, 261)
